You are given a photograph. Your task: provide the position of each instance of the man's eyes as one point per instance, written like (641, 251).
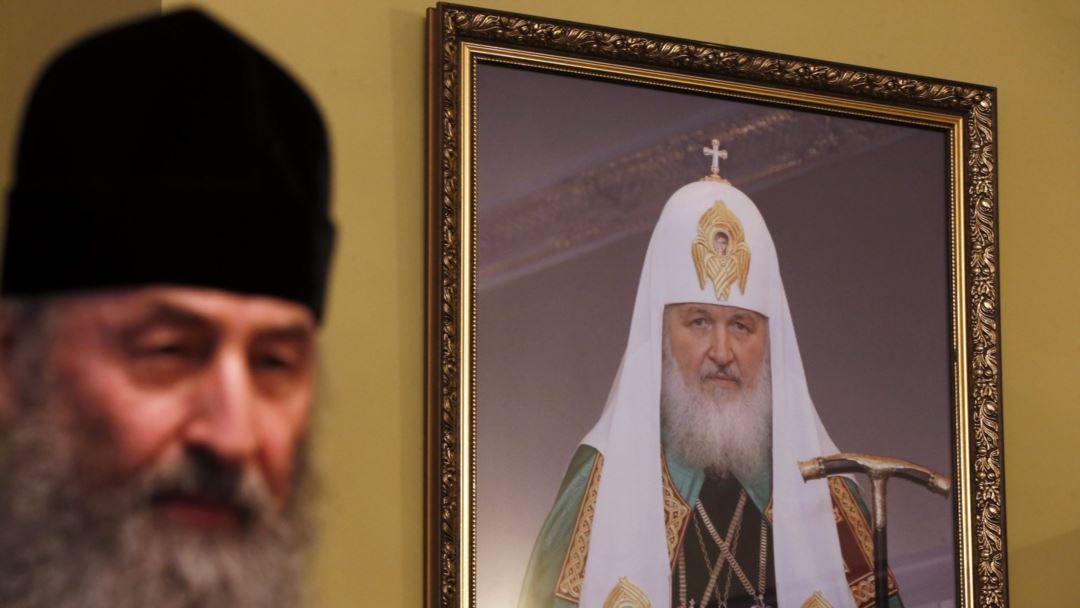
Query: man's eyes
(742, 326)
(279, 369)
(281, 361)
(165, 348)
(158, 357)
(736, 324)
(282, 357)
(176, 353)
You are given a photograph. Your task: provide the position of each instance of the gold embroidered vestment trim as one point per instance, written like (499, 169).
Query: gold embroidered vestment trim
(846, 506)
(627, 595)
(568, 587)
(676, 517)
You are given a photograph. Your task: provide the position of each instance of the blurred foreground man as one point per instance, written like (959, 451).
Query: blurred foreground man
(164, 274)
(687, 492)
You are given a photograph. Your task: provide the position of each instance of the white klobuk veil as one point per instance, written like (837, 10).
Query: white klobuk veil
(628, 544)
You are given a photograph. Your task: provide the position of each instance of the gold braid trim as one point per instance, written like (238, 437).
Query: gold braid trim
(568, 587)
(676, 518)
(851, 513)
(627, 595)
(676, 513)
(816, 601)
(862, 589)
(846, 508)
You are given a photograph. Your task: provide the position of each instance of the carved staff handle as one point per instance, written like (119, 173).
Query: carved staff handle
(879, 469)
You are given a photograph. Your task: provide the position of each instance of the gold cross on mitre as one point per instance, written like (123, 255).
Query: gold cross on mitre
(716, 153)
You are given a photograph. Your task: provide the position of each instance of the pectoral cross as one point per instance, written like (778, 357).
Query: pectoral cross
(716, 153)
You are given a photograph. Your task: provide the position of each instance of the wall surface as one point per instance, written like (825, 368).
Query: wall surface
(365, 63)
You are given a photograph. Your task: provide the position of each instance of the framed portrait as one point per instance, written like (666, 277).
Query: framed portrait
(556, 151)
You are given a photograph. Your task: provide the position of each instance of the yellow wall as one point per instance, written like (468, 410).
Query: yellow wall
(365, 62)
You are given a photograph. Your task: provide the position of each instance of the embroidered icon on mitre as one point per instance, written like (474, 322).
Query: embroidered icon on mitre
(720, 251)
(627, 595)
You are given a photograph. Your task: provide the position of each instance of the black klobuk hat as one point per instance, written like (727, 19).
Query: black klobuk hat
(169, 151)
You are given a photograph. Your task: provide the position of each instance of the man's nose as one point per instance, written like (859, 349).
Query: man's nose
(222, 410)
(720, 346)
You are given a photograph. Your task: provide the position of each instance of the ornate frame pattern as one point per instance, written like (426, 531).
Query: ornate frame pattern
(450, 569)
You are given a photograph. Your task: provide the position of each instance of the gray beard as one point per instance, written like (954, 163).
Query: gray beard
(69, 538)
(725, 431)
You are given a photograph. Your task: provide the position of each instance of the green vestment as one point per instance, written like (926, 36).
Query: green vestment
(547, 584)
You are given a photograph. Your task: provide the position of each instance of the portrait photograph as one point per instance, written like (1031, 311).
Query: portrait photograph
(572, 175)
(693, 325)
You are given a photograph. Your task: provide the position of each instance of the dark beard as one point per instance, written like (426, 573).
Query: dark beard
(70, 538)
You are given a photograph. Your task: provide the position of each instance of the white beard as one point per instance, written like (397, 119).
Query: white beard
(725, 431)
(69, 538)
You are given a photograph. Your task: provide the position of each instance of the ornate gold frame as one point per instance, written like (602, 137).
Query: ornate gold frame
(459, 37)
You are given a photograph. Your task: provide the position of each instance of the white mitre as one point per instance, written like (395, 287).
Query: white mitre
(628, 548)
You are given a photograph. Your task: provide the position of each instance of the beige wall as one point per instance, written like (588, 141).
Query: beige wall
(364, 60)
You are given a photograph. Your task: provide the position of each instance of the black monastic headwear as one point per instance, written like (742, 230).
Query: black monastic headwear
(170, 151)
